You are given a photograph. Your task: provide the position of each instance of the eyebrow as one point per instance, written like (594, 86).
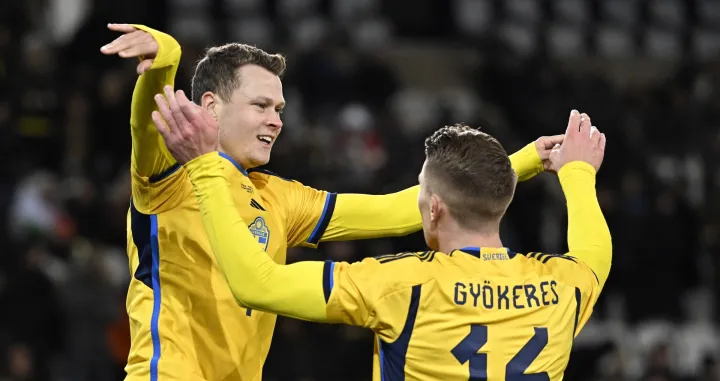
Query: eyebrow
(268, 100)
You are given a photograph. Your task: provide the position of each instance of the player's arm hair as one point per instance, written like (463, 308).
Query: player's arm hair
(255, 280)
(588, 234)
(150, 157)
(360, 216)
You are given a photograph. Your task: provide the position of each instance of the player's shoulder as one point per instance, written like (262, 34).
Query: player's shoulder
(406, 258)
(270, 182)
(267, 175)
(563, 266)
(394, 271)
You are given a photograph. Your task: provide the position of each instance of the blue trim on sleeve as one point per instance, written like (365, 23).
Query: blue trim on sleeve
(328, 281)
(164, 174)
(157, 298)
(578, 300)
(324, 220)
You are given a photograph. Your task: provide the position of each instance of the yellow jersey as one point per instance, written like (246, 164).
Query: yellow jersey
(471, 314)
(184, 322)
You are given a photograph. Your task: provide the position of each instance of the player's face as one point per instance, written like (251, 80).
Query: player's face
(427, 204)
(250, 123)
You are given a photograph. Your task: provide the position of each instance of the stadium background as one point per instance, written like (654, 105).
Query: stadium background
(367, 81)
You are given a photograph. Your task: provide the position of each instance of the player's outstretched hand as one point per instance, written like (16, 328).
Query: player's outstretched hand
(544, 146)
(583, 142)
(133, 43)
(188, 129)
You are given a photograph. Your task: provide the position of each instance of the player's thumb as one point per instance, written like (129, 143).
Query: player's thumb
(144, 66)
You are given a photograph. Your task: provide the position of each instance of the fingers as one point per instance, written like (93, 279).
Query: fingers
(594, 135)
(138, 49)
(177, 112)
(144, 66)
(188, 108)
(171, 100)
(602, 142)
(585, 123)
(159, 122)
(135, 44)
(555, 140)
(121, 43)
(165, 112)
(573, 124)
(122, 28)
(194, 113)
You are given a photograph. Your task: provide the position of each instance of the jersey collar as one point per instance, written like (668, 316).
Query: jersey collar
(235, 163)
(476, 251)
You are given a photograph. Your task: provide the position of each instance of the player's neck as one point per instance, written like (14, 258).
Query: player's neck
(458, 239)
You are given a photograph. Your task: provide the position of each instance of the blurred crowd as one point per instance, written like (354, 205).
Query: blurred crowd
(368, 80)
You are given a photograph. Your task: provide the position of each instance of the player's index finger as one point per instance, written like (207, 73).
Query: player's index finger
(573, 124)
(124, 28)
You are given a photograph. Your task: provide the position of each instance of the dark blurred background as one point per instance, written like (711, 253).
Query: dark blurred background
(368, 80)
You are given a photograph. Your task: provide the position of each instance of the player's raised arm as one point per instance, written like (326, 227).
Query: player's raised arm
(159, 57)
(321, 216)
(578, 160)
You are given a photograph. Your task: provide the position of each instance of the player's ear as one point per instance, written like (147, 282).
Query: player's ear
(209, 102)
(434, 208)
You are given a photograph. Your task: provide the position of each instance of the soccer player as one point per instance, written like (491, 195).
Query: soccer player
(184, 320)
(469, 309)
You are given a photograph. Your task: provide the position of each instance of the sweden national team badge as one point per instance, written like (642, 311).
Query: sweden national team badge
(261, 232)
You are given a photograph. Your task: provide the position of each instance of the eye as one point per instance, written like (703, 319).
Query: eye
(261, 106)
(279, 111)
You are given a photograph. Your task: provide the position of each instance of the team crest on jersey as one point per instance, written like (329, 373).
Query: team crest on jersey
(261, 232)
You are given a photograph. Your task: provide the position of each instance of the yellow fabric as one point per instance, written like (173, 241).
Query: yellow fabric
(181, 310)
(202, 331)
(588, 235)
(150, 156)
(424, 305)
(359, 216)
(511, 297)
(255, 280)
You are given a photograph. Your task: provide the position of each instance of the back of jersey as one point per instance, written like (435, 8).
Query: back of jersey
(484, 314)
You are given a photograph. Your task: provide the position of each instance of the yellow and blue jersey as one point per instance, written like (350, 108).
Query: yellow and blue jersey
(478, 314)
(185, 322)
(473, 313)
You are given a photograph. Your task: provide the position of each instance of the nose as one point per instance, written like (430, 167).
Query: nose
(274, 120)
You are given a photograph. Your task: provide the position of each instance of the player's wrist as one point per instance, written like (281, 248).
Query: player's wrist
(576, 168)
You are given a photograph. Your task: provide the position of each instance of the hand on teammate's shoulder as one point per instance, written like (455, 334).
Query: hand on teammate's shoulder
(583, 142)
(133, 43)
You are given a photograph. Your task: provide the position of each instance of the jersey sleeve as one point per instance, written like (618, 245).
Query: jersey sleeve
(155, 173)
(363, 216)
(589, 237)
(376, 292)
(255, 280)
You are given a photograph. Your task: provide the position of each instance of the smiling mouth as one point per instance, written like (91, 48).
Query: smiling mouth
(265, 139)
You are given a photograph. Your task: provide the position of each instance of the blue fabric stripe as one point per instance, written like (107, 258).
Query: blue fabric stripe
(578, 300)
(382, 358)
(235, 163)
(324, 220)
(157, 295)
(328, 283)
(393, 355)
(165, 174)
